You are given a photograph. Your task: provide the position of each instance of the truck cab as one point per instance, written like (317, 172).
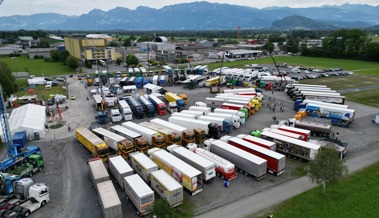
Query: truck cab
(136, 107)
(172, 107)
(147, 106)
(115, 115)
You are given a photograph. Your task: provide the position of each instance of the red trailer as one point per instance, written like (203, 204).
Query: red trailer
(305, 133)
(236, 107)
(258, 141)
(247, 93)
(275, 162)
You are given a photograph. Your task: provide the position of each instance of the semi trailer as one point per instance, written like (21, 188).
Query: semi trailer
(187, 135)
(142, 165)
(154, 138)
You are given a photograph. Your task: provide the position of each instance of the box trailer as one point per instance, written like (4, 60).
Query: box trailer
(209, 129)
(231, 117)
(196, 113)
(92, 142)
(245, 162)
(304, 132)
(214, 102)
(285, 133)
(98, 171)
(167, 187)
(148, 107)
(239, 114)
(139, 193)
(237, 107)
(135, 106)
(154, 138)
(224, 168)
(125, 110)
(206, 167)
(142, 165)
(276, 162)
(159, 105)
(205, 110)
(188, 135)
(225, 124)
(139, 142)
(109, 200)
(188, 176)
(119, 168)
(180, 114)
(172, 136)
(258, 141)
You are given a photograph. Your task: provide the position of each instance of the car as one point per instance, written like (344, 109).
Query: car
(72, 97)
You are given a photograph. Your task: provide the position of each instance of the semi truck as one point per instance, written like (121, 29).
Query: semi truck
(224, 168)
(119, 144)
(209, 130)
(314, 126)
(93, 143)
(277, 131)
(206, 167)
(154, 138)
(196, 113)
(139, 193)
(205, 110)
(251, 106)
(292, 147)
(214, 102)
(231, 117)
(225, 124)
(239, 114)
(276, 162)
(236, 107)
(172, 137)
(167, 187)
(324, 97)
(338, 116)
(245, 162)
(160, 107)
(148, 107)
(258, 141)
(142, 165)
(251, 101)
(186, 115)
(172, 107)
(115, 115)
(125, 110)
(188, 176)
(171, 97)
(139, 142)
(303, 104)
(187, 135)
(135, 106)
(119, 168)
(110, 202)
(98, 171)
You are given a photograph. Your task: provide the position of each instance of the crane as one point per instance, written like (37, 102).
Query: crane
(5, 126)
(1, 1)
(279, 74)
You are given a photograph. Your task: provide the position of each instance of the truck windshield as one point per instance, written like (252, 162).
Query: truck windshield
(162, 108)
(103, 151)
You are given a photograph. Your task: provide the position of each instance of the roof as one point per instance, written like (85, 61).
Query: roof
(120, 164)
(98, 36)
(29, 117)
(166, 180)
(138, 185)
(143, 160)
(108, 194)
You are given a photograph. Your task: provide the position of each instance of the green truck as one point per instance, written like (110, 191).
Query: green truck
(33, 164)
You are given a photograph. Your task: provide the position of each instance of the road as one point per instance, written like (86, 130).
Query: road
(277, 194)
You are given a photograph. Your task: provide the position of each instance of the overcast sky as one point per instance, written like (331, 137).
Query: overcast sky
(78, 7)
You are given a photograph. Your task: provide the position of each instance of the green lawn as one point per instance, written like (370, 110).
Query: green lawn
(40, 91)
(37, 67)
(356, 196)
(344, 82)
(367, 97)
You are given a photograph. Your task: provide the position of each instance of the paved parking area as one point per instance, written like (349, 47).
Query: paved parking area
(73, 194)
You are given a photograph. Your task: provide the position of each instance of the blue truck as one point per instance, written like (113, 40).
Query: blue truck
(338, 116)
(135, 106)
(139, 82)
(147, 106)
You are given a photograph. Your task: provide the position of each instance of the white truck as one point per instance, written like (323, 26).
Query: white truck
(180, 114)
(196, 113)
(167, 187)
(205, 110)
(240, 114)
(119, 168)
(172, 107)
(98, 171)
(139, 193)
(115, 115)
(233, 118)
(225, 124)
(188, 176)
(154, 138)
(206, 167)
(214, 102)
(200, 104)
(109, 200)
(125, 110)
(142, 165)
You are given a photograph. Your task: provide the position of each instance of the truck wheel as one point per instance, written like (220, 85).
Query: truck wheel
(40, 169)
(18, 209)
(246, 174)
(26, 212)
(218, 174)
(12, 207)
(43, 203)
(222, 177)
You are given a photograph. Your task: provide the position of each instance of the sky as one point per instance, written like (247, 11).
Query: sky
(78, 7)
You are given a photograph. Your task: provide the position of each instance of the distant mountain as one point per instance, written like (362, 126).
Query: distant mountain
(198, 16)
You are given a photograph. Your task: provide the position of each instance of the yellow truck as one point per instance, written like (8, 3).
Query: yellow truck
(171, 137)
(184, 97)
(92, 142)
(171, 97)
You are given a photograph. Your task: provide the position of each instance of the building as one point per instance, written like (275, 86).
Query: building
(26, 41)
(155, 46)
(91, 49)
(165, 56)
(44, 52)
(243, 54)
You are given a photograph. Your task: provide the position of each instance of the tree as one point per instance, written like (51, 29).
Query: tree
(162, 209)
(7, 80)
(54, 55)
(88, 64)
(63, 56)
(327, 167)
(72, 62)
(132, 60)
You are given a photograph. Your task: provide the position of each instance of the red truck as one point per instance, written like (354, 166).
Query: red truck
(275, 162)
(159, 105)
(258, 141)
(236, 107)
(305, 133)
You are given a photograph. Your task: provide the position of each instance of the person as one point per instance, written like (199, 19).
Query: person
(337, 134)
(69, 128)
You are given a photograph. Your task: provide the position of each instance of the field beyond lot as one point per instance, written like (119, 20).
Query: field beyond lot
(344, 82)
(37, 67)
(355, 196)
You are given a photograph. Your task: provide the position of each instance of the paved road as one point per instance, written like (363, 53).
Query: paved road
(277, 194)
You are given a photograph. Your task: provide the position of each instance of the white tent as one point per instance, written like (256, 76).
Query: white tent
(29, 118)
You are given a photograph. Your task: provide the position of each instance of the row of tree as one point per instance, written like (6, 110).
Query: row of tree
(7, 80)
(64, 57)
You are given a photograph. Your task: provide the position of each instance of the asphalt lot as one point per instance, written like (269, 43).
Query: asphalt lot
(73, 195)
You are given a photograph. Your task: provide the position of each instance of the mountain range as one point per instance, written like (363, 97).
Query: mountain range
(202, 16)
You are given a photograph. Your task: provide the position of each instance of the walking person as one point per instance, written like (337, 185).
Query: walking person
(337, 134)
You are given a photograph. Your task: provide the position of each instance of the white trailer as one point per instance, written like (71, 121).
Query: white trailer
(306, 101)
(98, 171)
(240, 114)
(235, 91)
(119, 168)
(205, 110)
(139, 193)
(214, 102)
(200, 104)
(285, 133)
(125, 110)
(109, 200)
(190, 123)
(177, 114)
(258, 141)
(142, 165)
(155, 79)
(196, 113)
(167, 187)
(187, 134)
(150, 134)
(233, 118)
(206, 167)
(188, 176)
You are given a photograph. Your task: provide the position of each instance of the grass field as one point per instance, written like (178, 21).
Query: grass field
(37, 67)
(40, 91)
(344, 82)
(367, 97)
(354, 197)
